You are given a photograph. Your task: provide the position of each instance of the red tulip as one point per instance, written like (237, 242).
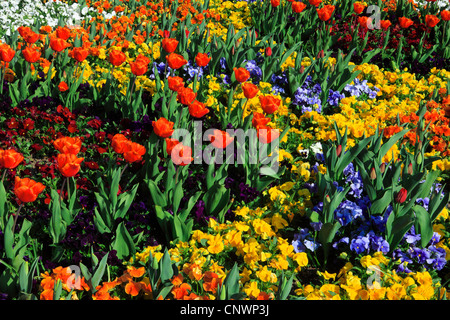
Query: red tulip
(169, 45)
(175, 83)
(220, 139)
(117, 57)
(405, 22)
(269, 104)
(68, 145)
(181, 155)
(431, 20)
(138, 68)
(10, 158)
(133, 151)
(186, 96)
(445, 15)
(68, 164)
(58, 44)
(31, 55)
(267, 134)
(6, 53)
(298, 6)
(401, 196)
(118, 142)
(163, 127)
(259, 120)
(202, 59)
(175, 61)
(198, 109)
(241, 74)
(27, 190)
(250, 90)
(79, 53)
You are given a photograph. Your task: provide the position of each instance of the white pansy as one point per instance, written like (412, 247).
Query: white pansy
(316, 147)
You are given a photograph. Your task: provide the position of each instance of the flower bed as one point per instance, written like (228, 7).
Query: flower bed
(209, 150)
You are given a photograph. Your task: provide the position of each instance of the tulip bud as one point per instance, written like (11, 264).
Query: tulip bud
(327, 199)
(302, 69)
(410, 169)
(321, 54)
(338, 150)
(232, 51)
(373, 174)
(401, 196)
(268, 51)
(419, 158)
(382, 167)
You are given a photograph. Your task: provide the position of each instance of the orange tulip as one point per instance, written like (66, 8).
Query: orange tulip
(405, 22)
(325, 12)
(70, 145)
(133, 151)
(241, 74)
(10, 158)
(431, 20)
(62, 86)
(220, 139)
(298, 6)
(58, 44)
(117, 57)
(27, 190)
(259, 120)
(358, 7)
(385, 24)
(163, 128)
(269, 104)
(175, 61)
(181, 155)
(138, 68)
(315, 3)
(250, 90)
(79, 53)
(175, 83)
(24, 30)
(186, 96)
(31, 55)
(63, 33)
(31, 37)
(169, 45)
(6, 53)
(267, 134)
(202, 59)
(198, 109)
(170, 144)
(275, 3)
(118, 142)
(445, 15)
(68, 164)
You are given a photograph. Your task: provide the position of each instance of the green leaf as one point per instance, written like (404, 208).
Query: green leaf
(123, 243)
(423, 225)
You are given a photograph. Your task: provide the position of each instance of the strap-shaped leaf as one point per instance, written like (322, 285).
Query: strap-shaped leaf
(423, 225)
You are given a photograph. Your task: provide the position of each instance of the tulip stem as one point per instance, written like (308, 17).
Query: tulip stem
(243, 111)
(123, 170)
(15, 218)
(68, 187)
(62, 188)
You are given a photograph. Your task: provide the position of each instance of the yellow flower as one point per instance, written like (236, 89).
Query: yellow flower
(234, 237)
(301, 258)
(266, 275)
(215, 244)
(278, 222)
(262, 228)
(251, 289)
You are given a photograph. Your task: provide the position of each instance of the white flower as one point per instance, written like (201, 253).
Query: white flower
(316, 147)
